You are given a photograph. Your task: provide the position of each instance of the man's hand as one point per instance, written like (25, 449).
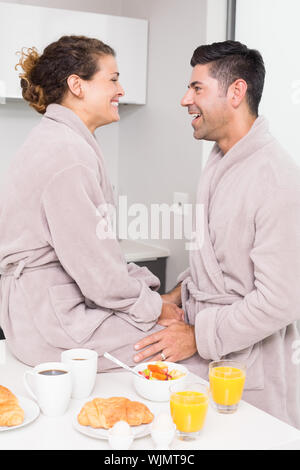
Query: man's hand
(177, 342)
(169, 312)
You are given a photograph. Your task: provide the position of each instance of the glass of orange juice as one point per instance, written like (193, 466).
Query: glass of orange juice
(226, 381)
(188, 405)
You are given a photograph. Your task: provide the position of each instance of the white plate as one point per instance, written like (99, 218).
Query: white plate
(31, 412)
(100, 433)
(138, 431)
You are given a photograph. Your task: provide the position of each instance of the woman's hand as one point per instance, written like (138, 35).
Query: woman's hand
(170, 312)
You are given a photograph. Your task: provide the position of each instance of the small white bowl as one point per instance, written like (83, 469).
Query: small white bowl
(157, 390)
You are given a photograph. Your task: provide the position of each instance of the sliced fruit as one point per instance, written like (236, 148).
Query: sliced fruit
(158, 376)
(155, 368)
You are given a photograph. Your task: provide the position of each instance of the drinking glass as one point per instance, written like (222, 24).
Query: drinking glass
(188, 405)
(226, 380)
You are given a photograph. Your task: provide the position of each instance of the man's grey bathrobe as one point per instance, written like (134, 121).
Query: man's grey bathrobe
(242, 288)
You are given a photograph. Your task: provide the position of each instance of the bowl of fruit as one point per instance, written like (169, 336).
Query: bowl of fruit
(156, 377)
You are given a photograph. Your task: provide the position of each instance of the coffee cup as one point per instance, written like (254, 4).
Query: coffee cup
(83, 365)
(50, 384)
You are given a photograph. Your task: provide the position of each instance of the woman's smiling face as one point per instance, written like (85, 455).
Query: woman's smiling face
(96, 100)
(102, 93)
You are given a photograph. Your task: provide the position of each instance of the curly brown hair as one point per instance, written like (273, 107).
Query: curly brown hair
(44, 78)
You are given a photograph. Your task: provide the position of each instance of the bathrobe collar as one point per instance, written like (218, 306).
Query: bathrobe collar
(60, 113)
(218, 163)
(66, 116)
(257, 137)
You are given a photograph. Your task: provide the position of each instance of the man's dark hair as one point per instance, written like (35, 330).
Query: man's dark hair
(231, 60)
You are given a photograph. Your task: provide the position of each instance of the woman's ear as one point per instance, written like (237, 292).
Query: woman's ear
(238, 90)
(74, 84)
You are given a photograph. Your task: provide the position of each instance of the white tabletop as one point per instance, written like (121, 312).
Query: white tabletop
(248, 428)
(135, 251)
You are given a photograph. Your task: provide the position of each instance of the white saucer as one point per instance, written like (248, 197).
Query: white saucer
(31, 412)
(138, 431)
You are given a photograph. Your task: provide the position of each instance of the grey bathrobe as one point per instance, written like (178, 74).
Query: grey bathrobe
(242, 287)
(62, 285)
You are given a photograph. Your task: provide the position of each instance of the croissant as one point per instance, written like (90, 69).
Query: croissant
(11, 414)
(105, 412)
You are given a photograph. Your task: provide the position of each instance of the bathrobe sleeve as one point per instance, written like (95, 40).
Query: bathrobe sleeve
(74, 209)
(182, 276)
(274, 303)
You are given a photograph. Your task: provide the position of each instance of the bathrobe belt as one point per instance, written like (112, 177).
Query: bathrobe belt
(214, 298)
(16, 270)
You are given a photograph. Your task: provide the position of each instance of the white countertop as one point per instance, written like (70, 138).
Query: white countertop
(135, 251)
(248, 428)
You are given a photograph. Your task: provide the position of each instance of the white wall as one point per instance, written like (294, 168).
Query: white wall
(16, 121)
(272, 27)
(216, 15)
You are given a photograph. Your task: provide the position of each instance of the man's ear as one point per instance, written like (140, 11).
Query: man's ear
(237, 92)
(74, 84)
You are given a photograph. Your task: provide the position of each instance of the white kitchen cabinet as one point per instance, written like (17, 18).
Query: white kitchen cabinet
(28, 26)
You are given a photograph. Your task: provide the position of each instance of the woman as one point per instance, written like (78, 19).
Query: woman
(63, 286)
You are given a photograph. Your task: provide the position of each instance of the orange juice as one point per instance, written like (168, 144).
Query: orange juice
(226, 385)
(188, 410)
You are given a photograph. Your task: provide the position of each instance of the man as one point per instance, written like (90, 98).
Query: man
(241, 292)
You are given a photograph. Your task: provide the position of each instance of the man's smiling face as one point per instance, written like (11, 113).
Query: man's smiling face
(208, 105)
